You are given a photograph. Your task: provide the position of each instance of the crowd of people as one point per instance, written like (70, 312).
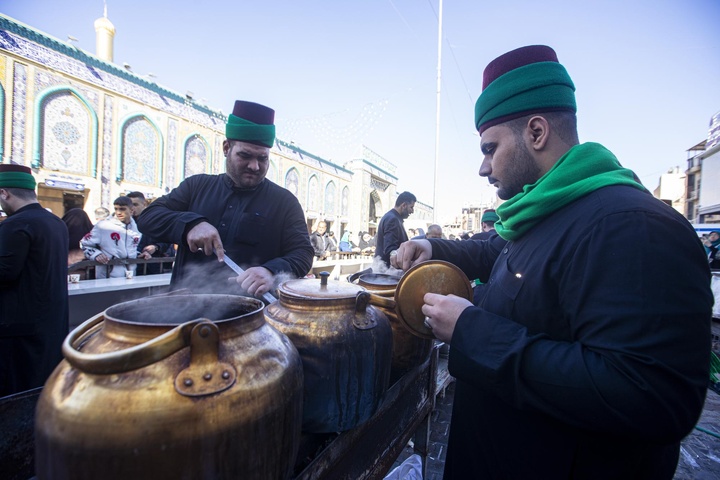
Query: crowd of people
(325, 245)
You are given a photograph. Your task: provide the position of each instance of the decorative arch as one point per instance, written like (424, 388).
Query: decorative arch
(140, 147)
(2, 124)
(330, 194)
(197, 156)
(345, 202)
(272, 172)
(66, 132)
(312, 194)
(375, 206)
(292, 181)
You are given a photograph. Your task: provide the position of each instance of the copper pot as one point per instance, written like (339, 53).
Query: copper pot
(345, 345)
(406, 300)
(409, 349)
(189, 386)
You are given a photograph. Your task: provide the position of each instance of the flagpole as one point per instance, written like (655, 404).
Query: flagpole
(437, 110)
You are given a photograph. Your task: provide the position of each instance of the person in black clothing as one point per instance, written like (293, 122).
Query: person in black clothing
(391, 232)
(588, 353)
(239, 213)
(33, 284)
(487, 224)
(332, 242)
(153, 248)
(78, 224)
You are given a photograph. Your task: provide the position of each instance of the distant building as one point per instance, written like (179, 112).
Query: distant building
(472, 215)
(671, 189)
(693, 177)
(703, 177)
(92, 130)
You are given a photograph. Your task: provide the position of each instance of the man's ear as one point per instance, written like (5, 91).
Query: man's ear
(226, 147)
(538, 130)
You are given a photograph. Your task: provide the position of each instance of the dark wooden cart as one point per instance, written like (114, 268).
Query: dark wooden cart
(365, 452)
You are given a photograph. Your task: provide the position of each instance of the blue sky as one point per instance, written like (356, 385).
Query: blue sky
(342, 73)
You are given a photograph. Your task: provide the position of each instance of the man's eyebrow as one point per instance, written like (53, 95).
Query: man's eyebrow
(487, 146)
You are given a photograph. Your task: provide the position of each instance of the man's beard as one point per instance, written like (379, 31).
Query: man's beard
(523, 171)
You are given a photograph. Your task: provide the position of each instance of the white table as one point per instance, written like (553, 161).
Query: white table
(87, 298)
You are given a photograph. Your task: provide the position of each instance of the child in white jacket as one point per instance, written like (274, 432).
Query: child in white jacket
(114, 237)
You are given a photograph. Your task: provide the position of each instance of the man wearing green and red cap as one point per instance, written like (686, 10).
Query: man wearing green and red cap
(258, 224)
(587, 354)
(33, 284)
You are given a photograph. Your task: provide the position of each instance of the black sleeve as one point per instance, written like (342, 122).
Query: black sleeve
(168, 219)
(474, 257)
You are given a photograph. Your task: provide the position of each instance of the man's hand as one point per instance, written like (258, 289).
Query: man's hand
(255, 280)
(102, 259)
(205, 237)
(442, 313)
(411, 253)
(150, 249)
(145, 254)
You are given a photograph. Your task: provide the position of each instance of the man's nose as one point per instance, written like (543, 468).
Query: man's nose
(485, 168)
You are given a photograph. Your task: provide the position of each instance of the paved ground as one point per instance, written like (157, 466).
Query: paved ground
(699, 453)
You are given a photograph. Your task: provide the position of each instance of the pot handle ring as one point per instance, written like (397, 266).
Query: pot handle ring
(376, 299)
(132, 358)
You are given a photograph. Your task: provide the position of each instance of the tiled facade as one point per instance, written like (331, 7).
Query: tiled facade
(94, 131)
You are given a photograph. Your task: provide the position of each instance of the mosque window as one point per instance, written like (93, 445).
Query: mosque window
(66, 127)
(141, 150)
(292, 181)
(272, 171)
(196, 156)
(345, 202)
(330, 198)
(312, 198)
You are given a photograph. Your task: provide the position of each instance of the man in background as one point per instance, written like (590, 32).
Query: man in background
(320, 241)
(101, 213)
(487, 224)
(434, 231)
(391, 232)
(33, 284)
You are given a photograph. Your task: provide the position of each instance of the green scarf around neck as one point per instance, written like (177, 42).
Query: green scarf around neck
(582, 170)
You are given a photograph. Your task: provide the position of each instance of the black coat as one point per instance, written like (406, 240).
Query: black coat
(391, 233)
(264, 226)
(588, 354)
(33, 297)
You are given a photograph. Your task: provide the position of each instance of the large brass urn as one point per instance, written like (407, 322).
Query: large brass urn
(187, 386)
(345, 345)
(409, 348)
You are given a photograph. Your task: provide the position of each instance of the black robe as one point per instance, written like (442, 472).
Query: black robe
(264, 226)
(588, 355)
(33, 297)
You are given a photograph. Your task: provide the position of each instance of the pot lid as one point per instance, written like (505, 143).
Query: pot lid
(319, 289)
(434, 276)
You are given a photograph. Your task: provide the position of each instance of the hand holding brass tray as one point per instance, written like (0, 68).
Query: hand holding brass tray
(433, 276)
